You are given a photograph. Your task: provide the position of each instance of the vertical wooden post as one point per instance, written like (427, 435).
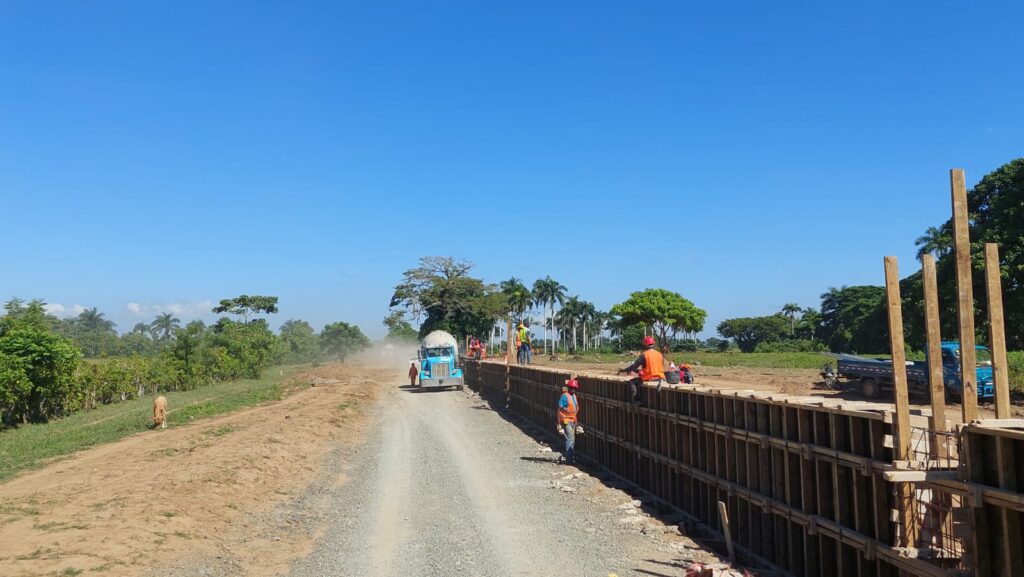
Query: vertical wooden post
(965, 296)
(723, 515)
(508, 343)
(899, 378)
(937, 389)
(936, 383)
(996, 331)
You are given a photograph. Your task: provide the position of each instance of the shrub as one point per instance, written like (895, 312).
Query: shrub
(1015, 362)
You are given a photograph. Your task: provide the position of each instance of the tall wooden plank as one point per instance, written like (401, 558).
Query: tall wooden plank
(899, 359)
(1012, 559)
(996, 331)
(901, 442)
(965, 295)
(934, 337)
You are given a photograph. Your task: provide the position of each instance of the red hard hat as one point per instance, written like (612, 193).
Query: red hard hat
(648, 341)
(572, 384)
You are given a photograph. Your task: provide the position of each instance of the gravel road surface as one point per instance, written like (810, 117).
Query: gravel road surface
(445, 486)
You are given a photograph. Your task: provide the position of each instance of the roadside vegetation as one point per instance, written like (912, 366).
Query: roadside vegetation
(52, 368)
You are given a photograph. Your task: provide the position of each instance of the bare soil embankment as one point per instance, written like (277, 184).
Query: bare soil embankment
(121, 508)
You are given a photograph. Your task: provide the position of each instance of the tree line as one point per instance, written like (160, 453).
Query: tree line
(440, 294)
(853, 318)
(50, 367)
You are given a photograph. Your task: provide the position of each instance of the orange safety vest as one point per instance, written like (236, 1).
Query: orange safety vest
(654, 366)
(568, 415)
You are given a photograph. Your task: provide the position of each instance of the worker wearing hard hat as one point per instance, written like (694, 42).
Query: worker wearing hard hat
(650, 367)
(523, 353)
(568, 417)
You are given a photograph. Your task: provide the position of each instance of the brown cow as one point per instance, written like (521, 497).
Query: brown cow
(160, 412)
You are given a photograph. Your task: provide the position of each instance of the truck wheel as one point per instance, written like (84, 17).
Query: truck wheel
(869, 388)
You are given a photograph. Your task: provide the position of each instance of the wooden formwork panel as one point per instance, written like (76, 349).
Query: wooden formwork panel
(994, 461)
(803, 476)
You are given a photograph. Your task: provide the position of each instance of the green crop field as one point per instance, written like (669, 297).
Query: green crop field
(32, 445)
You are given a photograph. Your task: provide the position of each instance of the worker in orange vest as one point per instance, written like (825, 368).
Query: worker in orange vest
(568, 417)
(650, 367)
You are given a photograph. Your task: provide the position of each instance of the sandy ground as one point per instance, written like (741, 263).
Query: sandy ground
(119, 508)
(798, 382)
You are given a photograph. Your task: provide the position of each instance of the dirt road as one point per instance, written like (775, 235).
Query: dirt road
(355, 476)
(449, 487)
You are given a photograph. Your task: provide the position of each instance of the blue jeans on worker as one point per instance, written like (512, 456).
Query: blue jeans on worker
(570, 441)
(525, 355)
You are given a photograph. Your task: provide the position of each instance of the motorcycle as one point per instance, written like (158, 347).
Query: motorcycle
(829, 376)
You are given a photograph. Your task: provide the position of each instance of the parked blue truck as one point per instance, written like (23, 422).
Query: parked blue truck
(875, 375)
(439, 361)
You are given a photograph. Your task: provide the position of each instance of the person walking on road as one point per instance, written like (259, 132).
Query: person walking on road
(413, 373)
(523, 353)
(568, 418)
(650, 367)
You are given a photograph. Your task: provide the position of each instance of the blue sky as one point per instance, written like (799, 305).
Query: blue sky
(160, 156)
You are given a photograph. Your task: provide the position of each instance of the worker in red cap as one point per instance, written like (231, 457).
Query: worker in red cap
(650, 367)
(568, 417)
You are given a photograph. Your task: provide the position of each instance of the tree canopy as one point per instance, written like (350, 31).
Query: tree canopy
(441, 291)
(662, 310)
(340, 340)
(749, 332)
(399, 329)
(246, 306)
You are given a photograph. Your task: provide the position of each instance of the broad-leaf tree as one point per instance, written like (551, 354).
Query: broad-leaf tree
(441, 292)
(246, 306)
(341, 340)
(748, 332)
(662, 310)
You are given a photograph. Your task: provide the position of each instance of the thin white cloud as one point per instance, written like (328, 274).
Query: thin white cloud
(182, 309)
(77, 309)
(55, 309)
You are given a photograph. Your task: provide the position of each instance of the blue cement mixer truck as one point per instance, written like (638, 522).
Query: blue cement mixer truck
(439, 361)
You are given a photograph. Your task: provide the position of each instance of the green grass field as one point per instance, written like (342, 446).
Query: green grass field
(33, 445)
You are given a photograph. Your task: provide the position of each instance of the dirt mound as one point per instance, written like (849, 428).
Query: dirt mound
(122, 507)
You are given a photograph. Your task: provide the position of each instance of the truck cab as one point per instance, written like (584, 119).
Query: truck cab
(439, 361)
(875, 375)
(951, 370)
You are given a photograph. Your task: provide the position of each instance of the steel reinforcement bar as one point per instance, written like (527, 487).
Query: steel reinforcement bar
(803, 479)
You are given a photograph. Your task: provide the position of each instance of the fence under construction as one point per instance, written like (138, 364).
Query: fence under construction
(807, 482)
(823, 486)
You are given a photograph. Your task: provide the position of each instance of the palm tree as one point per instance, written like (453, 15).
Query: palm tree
(572, 314)
(587, 314)
(546, 292)
(91, 320)
(141, 329)
(163, 326)
(935, 240)
(790, 310)
(519, 297)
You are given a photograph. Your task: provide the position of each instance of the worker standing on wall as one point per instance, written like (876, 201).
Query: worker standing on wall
(568, 418)
(650, 367)
(523, 353)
